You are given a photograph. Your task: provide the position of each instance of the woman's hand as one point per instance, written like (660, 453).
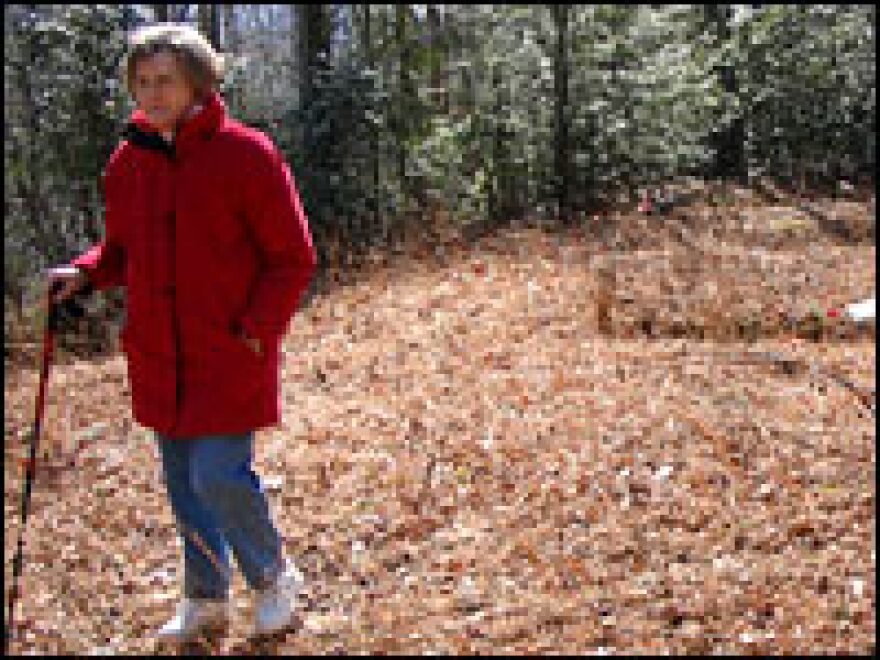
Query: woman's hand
(72, 281)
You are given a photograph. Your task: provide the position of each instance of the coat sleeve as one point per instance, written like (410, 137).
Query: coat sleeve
(280, 230)
(104, 263)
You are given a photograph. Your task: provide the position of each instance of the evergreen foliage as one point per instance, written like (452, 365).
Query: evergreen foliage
(490, 112)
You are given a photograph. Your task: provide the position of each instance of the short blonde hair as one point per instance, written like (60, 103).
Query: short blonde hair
(203, 66)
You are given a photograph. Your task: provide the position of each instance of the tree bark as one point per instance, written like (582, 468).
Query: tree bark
(560, 16)
(374, 130)
(203, 19)
(207, 21)
(215, 26)
(229, 42)
(440, 58)
(494, 187)
(403, 108)
(400, 38)
(313, 37)
(729, 143)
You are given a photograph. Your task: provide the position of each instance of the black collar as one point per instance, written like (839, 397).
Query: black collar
(145, 140)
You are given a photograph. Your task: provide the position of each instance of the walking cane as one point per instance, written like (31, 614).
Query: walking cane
(72, 309)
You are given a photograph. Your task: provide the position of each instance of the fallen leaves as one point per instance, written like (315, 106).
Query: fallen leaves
(468, 465)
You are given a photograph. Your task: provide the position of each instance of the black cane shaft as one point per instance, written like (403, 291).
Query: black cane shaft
(48, 340)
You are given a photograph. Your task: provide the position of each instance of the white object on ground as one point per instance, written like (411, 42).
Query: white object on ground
(865, 310)
(662, 473)
(858, 587)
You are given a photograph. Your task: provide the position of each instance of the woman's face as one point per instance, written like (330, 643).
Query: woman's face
(161, 90)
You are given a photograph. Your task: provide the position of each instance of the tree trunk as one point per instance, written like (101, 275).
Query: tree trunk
(494, 187)
(401, 124)
(161, 12)
(729, 144)
(314, 32)
(215, 26)
(400, 37)
(127, 18)
(374, 130)
(207, 21)
(560, 16)
(304, 60)
(313, 36)
(229, 41)
(440, 59)
(35, 199)
(203, 19)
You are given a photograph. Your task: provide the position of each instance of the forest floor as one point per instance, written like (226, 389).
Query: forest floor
(471, 461)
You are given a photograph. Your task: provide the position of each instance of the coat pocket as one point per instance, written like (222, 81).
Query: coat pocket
(238, 345)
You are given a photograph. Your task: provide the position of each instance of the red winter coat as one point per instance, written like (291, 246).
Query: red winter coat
(208, 237)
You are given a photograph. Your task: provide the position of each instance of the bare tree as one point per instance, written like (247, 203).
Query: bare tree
(730, 159)
(374, 130)
(208, 24)
(161, 13)
(563, 169)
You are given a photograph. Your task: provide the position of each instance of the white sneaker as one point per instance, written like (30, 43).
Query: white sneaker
(275, 605)
(195, 616)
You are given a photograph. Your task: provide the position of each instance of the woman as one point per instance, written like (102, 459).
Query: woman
(205, 229)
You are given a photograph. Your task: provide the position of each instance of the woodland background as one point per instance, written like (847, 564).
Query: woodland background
(396, 118)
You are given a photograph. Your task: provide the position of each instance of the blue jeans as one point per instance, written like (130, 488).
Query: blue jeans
(218, 502)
